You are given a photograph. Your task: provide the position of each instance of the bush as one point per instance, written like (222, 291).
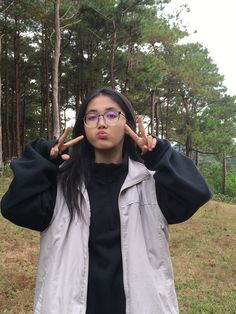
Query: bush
(224, 198)
(231, 184)
(212, 172)
(213, 175)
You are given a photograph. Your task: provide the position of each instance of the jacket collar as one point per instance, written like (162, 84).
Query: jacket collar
(137, 172)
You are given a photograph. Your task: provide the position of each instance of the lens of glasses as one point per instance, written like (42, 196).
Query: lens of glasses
(111, 117)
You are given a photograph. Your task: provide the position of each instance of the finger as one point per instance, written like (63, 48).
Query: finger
(144, 149)
(141, 126)
(73, 142)
(65, 157)
(149, 142)
(54, 152)
(63, 137)
(131, 133)
(154, 142)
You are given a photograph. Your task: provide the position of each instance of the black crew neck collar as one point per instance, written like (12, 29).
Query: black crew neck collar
(110, 170)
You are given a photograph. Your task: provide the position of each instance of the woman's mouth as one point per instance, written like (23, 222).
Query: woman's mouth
(102, 135)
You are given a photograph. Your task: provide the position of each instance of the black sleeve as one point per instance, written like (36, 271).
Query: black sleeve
(180, 187)
(30, 199)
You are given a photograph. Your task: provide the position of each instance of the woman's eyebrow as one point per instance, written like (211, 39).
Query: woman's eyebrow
(106, 109)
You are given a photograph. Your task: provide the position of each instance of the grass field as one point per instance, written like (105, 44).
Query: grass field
(203, 251)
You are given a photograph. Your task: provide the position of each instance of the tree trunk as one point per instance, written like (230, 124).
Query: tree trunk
(13, 150)
(224, 172)
(1, 146)
(114, 43)
(128, 66)
(17, 88)
(7, 135)
(42, 87)
(157, 118)
(55, 71)
(188, 145)
(152, 113)
(197, 158)
(167, 121)
(22, 134)
(157, 113)
(45, 123)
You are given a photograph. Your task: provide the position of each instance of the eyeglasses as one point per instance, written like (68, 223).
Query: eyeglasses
(110, 117)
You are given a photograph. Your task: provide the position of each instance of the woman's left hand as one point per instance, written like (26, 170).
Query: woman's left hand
(145, 141)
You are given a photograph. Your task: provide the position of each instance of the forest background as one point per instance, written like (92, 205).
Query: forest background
(53, 53)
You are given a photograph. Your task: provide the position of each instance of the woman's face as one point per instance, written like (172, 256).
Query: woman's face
(107, 138)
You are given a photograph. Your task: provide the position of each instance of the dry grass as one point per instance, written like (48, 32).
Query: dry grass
(204, 258)
(202, 249)
(18, 249)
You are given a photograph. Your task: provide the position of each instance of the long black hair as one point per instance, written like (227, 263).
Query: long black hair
(77, 170)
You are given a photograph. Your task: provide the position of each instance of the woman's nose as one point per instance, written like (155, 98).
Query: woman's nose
(101, 121)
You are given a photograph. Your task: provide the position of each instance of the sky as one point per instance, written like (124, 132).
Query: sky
(215, 23)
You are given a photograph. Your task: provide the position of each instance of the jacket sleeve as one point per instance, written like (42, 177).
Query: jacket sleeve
(30, 199)
(180, 187)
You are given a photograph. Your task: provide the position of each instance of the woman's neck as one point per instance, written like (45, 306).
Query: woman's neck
(108, 156)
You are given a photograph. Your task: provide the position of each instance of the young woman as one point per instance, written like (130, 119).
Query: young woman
(104, 214)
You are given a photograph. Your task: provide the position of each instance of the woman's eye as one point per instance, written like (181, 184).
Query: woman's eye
(111, 115)
(91, 117)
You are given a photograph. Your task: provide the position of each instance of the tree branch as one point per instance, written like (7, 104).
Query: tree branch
(62, 17)
(6, 7)
(67, 25)
(94, 33)
(104, 16)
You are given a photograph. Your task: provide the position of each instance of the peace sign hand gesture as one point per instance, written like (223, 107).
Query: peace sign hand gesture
(145, 141)
(61, 146)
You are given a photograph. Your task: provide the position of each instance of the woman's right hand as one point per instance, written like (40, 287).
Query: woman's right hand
(61, 145)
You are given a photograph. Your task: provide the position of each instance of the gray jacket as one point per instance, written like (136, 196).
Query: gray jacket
(62, 277)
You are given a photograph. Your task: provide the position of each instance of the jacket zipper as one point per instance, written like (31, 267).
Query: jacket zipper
(123, 229)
